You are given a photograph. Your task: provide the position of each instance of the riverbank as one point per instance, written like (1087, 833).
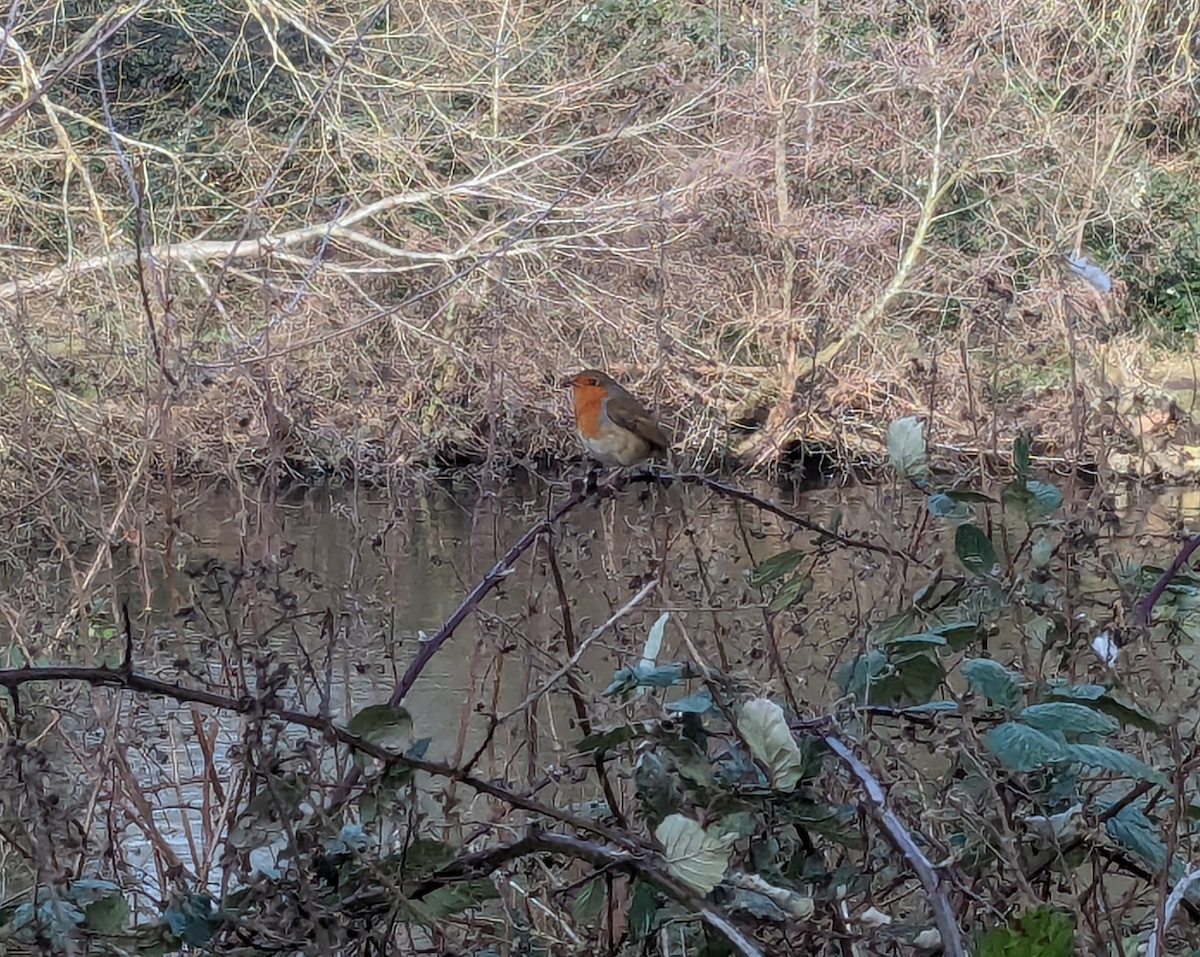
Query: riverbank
(360, 256)
(291, 418)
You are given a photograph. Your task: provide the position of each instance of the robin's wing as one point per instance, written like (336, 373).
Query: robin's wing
(627, 412)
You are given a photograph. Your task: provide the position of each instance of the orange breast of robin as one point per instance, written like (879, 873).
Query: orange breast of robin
(589, 403)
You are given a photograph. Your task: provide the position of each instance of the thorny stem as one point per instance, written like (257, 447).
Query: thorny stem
(1146, 606)
(897, 834)
(628, 850)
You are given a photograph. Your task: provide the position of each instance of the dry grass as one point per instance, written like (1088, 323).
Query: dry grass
(375, 239)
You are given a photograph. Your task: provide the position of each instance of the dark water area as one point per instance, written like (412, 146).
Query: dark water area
(338, 587)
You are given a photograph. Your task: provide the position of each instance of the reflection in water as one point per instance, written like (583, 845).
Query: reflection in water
(340, 586)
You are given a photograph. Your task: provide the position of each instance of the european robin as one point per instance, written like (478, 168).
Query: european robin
(615, 428)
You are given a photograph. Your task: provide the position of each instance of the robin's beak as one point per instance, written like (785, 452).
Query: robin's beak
(566, 381)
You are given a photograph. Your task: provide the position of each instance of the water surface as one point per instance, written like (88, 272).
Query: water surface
(244, 583)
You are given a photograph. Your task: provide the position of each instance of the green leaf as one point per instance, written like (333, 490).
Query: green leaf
(1137, 833)
(1048, 496)
(1021, 456)
(856, 675)
(836, 823)
(696, 856)
(759, 905)
(691, 761)
(1127, 712)
(655, 676)
(993, 680)
(920, 676)
(763, 726)
(1103, 700)
(1041, 551)
(739, 823)
(1069, 718)
(191, 919)
(657, 789)
(901, 624)
(958, 634)
(425, 854)
(871, 678)
(969, 496)
(614, 737)
(108, 916)
(590, 901)
(1023, 748)
(1036, 933)
(654, 639)
(459, 896)
(699, 703)
(1097, 756)
(975, 550)
(384, 726)
(792, 591)
(1031, 499)
(1083, 692)
(906, 448)
(775, 567)
(643, 909)
(924, 639)
(943, 506)
(88, 890)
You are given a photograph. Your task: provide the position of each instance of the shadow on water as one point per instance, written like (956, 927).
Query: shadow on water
(327, 593)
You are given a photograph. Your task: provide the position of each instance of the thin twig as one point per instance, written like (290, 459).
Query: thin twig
(430, 647)
(586, 643)
(732, 491)
(489, 581)
(95, 37)
(575, 687)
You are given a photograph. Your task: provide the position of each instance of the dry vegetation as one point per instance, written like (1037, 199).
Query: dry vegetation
(374, 235)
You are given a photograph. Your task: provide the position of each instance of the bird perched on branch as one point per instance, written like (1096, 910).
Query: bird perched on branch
(615, 428)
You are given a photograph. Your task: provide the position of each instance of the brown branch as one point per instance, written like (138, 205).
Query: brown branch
(429, 648)
(574, 687)
(142, 235)
(289, 151)
(252, 707)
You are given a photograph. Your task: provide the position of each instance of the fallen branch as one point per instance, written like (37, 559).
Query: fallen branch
(258, 247)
